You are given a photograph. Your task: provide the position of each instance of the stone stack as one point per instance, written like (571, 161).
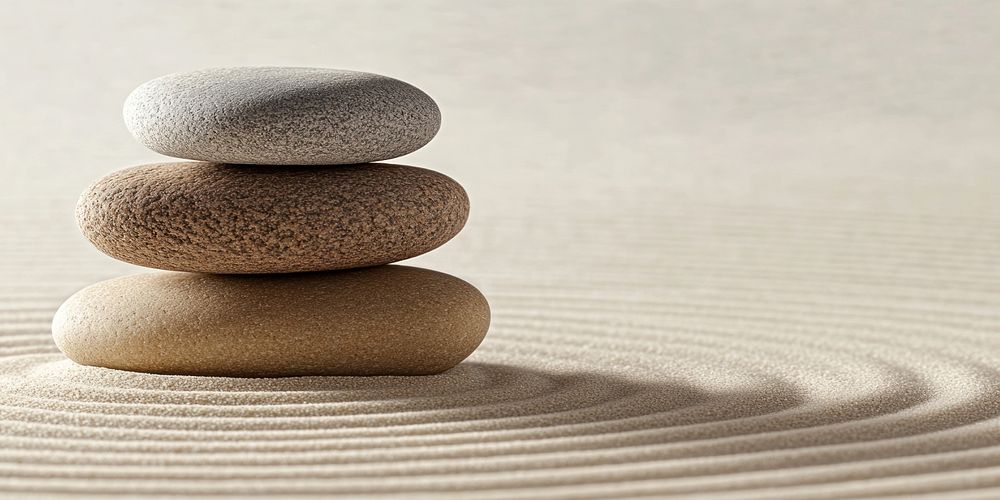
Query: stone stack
(277, 235)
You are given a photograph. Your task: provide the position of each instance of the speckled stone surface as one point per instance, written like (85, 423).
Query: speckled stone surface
(281, 116)
(387, 320)
(207, 217)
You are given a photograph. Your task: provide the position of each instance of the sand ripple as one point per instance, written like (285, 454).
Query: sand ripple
(638, 348)
(571, 397)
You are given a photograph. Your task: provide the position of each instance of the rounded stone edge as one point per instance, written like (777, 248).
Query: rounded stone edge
(132, 124)
(62, 318)
(83, 209)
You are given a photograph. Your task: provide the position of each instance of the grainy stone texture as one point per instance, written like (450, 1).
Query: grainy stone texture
(207, 217)
(734, 250)
(388, 320)
(281, 116)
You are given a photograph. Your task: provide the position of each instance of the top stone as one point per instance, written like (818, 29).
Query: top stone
(281, 116)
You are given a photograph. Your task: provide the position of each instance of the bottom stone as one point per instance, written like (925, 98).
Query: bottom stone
(386, 320)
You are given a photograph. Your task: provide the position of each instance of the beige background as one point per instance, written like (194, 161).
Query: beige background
(742, 249)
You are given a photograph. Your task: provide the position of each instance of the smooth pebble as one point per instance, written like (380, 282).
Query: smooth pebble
(207, 217)
(388, 320)
(281, 116)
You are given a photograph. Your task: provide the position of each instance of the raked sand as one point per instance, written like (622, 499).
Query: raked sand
(732, 251)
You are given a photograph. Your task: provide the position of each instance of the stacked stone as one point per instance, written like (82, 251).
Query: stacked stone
(277, 235)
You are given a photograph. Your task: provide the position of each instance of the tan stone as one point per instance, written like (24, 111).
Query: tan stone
(208, 217)
(387, 320)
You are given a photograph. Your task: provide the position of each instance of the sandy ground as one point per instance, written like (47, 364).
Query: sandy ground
(734, 249)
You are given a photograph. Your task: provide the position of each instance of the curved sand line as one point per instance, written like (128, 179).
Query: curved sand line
(499, 427)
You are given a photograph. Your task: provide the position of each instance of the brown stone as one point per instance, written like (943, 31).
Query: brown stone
(387, 320)
(216, 218)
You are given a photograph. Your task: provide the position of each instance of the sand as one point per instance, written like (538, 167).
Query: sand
(755, 255)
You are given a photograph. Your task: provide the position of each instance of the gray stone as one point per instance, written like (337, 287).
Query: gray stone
(281, 116)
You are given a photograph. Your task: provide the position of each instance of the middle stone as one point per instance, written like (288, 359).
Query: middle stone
(241, 219)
